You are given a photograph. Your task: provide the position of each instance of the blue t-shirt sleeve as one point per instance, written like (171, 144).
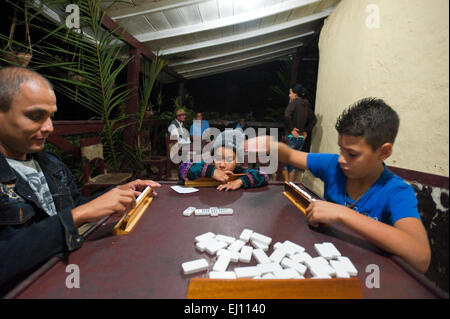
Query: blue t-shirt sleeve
(402, 203)
(321, 165)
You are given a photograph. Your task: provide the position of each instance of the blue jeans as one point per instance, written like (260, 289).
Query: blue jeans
(296, 144)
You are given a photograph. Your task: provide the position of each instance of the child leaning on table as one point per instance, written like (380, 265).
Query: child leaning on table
(224, 151)
(359, 190)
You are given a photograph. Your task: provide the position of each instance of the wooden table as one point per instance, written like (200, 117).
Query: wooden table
(147, 262)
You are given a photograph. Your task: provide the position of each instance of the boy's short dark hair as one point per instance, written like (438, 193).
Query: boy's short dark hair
(372, 119)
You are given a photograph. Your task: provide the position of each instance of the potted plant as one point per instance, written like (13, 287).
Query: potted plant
(16, 52)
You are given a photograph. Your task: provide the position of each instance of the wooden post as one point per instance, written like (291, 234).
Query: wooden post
(181, 92)
(133, 71)
(295, 65)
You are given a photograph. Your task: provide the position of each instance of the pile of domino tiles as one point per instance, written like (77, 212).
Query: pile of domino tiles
(287, 261)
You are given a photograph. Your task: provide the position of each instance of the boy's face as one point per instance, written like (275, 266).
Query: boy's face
(225, 159)
(357, 158)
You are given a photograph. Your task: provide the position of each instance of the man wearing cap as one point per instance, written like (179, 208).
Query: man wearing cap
(177, 129)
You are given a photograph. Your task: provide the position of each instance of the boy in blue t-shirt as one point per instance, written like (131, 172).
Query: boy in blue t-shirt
(359, 190)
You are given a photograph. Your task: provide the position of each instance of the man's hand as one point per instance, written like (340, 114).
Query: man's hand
(120, 199)
(139, 185)
(323, 212)
(236, 184)
(221, 176)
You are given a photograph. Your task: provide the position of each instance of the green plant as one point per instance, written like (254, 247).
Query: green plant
(151, 70)
(85, 67)
(284, 77)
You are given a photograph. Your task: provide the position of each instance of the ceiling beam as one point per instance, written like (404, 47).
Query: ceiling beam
(239, 60)
(225, 22)
(235, 67)
(210, 57)
(112, 26)
(151, 7)
(246, 35)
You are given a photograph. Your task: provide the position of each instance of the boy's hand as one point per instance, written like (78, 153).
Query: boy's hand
(236, 184)
(221, 176)
(323, 212)
(295, 132)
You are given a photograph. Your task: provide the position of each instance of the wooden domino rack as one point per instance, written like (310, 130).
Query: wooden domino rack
(298, 198)
(209, 182)
(130, 219)
(335, 288)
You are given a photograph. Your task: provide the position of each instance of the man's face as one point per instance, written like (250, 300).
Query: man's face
(225, 159)
(357, 158)
(181, 118)
(199, 116)
(292, 95)
(27, 123)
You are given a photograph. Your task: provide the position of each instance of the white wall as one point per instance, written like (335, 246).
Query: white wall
(404, 61)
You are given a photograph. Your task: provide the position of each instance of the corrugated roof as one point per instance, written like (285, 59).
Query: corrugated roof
(205, 37)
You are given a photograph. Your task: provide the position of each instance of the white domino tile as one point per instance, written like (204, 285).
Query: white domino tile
(245, 235)
(320, 267)
(301, 258)
(208, 235)
(221, 263)
(222, 275)
(227, 239)
(277, 255)
(261, 256)
(202, 212)
(277, 245)
(288, 273)
(188, 211)
(234, 255)
(236, 245)
(327, 251)
(247, 272)
(194, 266)
(332, 249)
(246, 254)
(214, 211)
(201, 246)
(261, 238)
(289, 263)
(349, 268)
(213, 246)
(268, 268)
(225, 211)
(268, 276)
(292, 248)
(340, 269)
(259, 245)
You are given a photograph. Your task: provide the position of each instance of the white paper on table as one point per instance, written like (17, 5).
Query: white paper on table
(184, 190)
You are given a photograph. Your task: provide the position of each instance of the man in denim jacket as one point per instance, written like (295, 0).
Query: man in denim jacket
(40, 207)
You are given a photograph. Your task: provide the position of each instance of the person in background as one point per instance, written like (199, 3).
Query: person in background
(224, 151)
(299, 119)
(176, 128)
(199, 125)
(241, 124)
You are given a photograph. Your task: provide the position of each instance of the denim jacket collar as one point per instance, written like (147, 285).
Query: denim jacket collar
(6, 172)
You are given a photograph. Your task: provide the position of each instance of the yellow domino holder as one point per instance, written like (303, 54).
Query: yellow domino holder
(297, 198)
(209, 182)
(130, 219)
